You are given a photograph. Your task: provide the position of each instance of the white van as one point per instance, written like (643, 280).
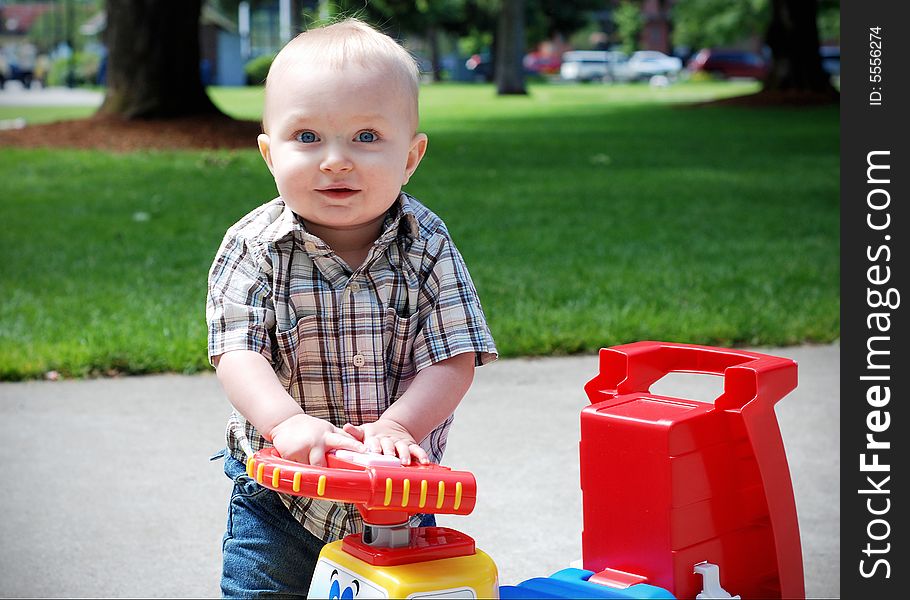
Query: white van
(590, 65)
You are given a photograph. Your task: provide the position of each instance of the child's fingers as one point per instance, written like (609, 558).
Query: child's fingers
(354, 431)
(302, 455)
(343, 441)
(388, 446)
(403, 450)
(295, 449)
(372, 445)
(419, 453)
(317, 456)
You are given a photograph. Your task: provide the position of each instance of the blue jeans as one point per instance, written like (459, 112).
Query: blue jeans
(266, 551)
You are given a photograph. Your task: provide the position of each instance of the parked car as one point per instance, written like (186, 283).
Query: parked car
(542, 64)
(645, 64)
(480, 66)
(16, 65)
(830, 56)
(729, 63)
(590, 65)
(13, 73)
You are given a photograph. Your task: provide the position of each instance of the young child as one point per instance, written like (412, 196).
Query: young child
(340, 314)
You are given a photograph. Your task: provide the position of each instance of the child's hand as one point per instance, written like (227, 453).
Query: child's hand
(306, 439)
(385, 436)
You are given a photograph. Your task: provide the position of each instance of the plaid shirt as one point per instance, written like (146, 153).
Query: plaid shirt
(344, 344)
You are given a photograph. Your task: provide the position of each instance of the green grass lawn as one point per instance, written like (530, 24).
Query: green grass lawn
(43, 114)
(589, 216)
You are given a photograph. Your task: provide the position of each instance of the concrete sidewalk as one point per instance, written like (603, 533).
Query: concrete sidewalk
(13, 94)
(110, 492)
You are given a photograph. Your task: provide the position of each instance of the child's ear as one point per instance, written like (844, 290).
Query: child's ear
(415, 155)
(264, 141)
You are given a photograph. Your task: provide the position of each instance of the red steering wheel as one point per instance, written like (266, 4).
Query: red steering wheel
(372, 482)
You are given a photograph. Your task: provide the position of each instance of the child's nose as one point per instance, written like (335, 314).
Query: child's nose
(336, 161)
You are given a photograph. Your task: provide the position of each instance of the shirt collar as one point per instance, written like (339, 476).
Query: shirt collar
(400, 219)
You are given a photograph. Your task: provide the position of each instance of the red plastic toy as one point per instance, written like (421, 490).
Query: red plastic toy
(681, 498)
(668, 482)
(384, 493)
(389, 558)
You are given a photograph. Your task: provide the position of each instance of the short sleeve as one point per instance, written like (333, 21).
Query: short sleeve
(455, 322)
(239, 309)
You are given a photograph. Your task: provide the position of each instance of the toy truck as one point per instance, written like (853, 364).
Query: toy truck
(681, 499)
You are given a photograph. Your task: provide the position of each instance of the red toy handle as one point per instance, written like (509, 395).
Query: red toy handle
(748, 376)
(753, 383)
(403, 489)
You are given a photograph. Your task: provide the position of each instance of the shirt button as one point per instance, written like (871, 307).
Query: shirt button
(310, 246)
(354, 287)
(359, 360)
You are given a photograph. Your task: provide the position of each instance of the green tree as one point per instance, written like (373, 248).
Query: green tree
(790, 29)
(49, 29)
(706, 23)
(829, 20)
(429, 19)
(627, 17)
(59, 22)
(547, 18)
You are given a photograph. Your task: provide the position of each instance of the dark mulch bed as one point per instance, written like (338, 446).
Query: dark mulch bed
(119, 135)
(782, 98)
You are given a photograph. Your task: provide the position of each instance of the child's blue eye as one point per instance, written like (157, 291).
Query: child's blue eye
(367, 136)
(307, 137)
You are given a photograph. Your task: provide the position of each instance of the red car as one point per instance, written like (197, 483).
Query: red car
(545, 64)
(729, 63)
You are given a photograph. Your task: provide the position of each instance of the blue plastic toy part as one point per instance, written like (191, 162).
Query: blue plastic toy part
(573, 583)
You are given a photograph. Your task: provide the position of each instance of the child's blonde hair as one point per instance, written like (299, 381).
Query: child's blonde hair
(347, 42)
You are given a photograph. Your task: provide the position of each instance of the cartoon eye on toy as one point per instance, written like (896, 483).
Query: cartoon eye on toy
(348, 593)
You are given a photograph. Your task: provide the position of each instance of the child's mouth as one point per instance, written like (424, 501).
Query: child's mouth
(339, 193)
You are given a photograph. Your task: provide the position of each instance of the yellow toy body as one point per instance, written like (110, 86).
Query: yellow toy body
(338, 574)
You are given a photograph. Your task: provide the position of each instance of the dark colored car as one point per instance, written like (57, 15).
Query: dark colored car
(729, 63)
(25, 76)
(830, 56)
(480, 66)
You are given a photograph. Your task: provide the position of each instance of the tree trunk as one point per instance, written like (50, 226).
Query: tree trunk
(510, 46)
(153, 60)
(793, 39)
(435, 57)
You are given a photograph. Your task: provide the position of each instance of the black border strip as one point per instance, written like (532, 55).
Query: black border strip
(874, 232)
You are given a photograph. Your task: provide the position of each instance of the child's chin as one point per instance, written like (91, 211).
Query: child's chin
(339, 223)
